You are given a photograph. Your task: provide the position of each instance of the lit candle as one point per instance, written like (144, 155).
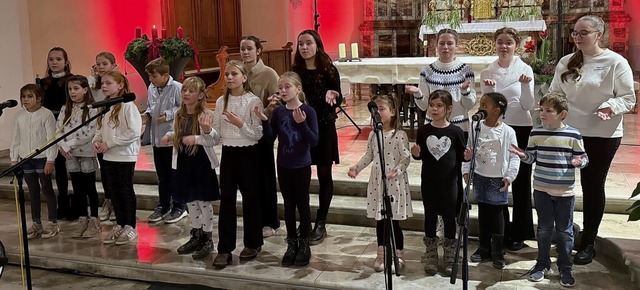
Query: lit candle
(529, 38)
(180, 32)
(425, 43)
(154, 32)
(163, 32)
(138, 32)
(342, 50)
(354, 51)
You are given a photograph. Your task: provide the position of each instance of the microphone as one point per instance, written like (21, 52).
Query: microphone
(479, 115)
(128, 97)
(373, 108)
(8, 104)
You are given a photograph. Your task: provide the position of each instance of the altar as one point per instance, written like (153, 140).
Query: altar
(486, 27)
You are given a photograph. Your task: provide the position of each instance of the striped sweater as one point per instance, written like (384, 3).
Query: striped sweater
(553, 150)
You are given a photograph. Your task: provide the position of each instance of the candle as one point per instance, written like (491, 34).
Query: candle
(154, 32)
(138, 32)
(354, 51)
(180, 32)
(425, 43)
(342, 50)
(529, 38)
(163, 32)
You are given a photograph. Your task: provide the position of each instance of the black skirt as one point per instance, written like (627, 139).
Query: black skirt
(195, 179)
(326, 153)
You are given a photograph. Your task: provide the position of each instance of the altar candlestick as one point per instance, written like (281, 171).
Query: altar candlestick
(180, 32)
(154, 32)
(425, 43)
(138, 32)
(163, 32)
(342, 51)
(354, 51)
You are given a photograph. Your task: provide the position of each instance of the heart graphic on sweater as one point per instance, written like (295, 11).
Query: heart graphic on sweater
(438, 147)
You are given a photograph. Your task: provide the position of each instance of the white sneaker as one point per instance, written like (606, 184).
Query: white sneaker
(50, 230)
(93, 228)
(81, 227)
(268, 232)
(34, 231)
(128, 235)
(113, 235)
(107, 210)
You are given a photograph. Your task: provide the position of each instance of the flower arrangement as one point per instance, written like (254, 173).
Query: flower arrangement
(540, 59)
(143, 49)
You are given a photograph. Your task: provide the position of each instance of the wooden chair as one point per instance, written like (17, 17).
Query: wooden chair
(215, 90)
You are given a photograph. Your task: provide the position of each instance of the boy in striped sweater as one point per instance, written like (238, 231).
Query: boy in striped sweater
(558, 150)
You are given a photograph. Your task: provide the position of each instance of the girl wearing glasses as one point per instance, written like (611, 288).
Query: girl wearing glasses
(599, 85)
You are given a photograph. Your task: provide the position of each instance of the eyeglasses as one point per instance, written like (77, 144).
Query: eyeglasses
(582, 33)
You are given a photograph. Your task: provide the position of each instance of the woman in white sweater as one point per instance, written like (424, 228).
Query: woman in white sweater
(513, 78)
(599, 86)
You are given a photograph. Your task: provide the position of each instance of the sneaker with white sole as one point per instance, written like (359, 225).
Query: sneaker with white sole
(268, 232)
(157, 215)
(175, 215)
(106, 212)
(536, 274)
(93, 228)
(566, 278)
(113, 235)
(34, 231)
(50, 230)
(81, 227)
(129, 234)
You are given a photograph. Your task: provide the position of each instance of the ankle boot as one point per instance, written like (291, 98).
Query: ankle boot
(430, 257)
(304, 252)
(318, 234)
(587, 251)
(292, 250)
(192, 244)
(378, 264)
(497, 256)
(205, 246)
(449, 257)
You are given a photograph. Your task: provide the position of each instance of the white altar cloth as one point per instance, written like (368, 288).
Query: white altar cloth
(399, 70)
(487, 27)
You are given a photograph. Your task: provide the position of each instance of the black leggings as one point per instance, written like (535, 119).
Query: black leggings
(521, 226)
(397, 232)
(34, 180)
(84, 185)
(123, 199)
(62, 182)
(592, 178)
(440, 200)
(325, 181)
(104, 177)
(491, 221)
(267, 190)
(294, 186)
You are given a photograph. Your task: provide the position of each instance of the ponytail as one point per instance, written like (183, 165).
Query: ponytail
(574, 67)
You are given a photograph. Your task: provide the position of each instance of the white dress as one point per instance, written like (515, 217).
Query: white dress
(396, 156)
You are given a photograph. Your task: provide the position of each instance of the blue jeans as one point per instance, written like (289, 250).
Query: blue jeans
(558, 210)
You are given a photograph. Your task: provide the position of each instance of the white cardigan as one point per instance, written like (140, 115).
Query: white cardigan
(206, 140)
(510, 161)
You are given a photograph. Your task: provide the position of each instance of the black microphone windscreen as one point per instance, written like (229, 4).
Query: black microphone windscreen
(128, 97)
(372, 105)
(12, 103)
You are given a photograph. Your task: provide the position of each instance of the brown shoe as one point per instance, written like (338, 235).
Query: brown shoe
(249, 253)
(222, 260)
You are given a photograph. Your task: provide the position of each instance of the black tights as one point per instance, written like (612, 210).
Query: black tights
(326, 191)
(84, 185)
(397, 232)
(491, 221)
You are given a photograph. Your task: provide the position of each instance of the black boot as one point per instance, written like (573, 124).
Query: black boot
(587, 251)
(480, 255)
(193, 242)
(496, 251)
(205, 247)
(304, 252)
(292, 250)
(319, 233)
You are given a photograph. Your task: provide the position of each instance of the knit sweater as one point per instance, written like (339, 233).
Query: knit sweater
(553, 150)
(315, 84)
(31, 131)
(449, 77)
(294, 139)
(263, 81)
(607, 81)
(55, 93)
(520, 99)
(79, 143)
(243, 106)
(123, 140)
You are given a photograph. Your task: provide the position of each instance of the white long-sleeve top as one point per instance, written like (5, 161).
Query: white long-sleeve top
(520, 99)
(165, 100)
(510, 162)
(79, 143)
(206, 140)
(123, 140)
(31, 131)
(606, 82)
(449, 77)
(243, 106)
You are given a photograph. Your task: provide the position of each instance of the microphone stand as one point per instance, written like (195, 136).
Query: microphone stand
(463, 219)
(19, 174)
(389, 236)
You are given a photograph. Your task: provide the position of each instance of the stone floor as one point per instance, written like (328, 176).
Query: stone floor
(342, 261)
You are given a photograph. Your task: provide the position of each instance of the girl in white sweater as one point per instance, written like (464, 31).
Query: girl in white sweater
(118, 138)
(599, 85)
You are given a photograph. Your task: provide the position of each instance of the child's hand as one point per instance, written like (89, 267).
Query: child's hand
(260, 113)
(465, 177)
(525, 79)
(100, 147)
(468, 153)
(393, 173)
(274, 100)
(67, 155)
(166, 140)
(604, 113)
(48, 168)
(205, 121)
(299, 115)
(13, 163)
(489, 82)
(517, 151)
(464, 86)
(189, 140)
(352, 172)
(145, 118)
(162, 118)
(506, 185)
(331, 97)
(234, 119)
(415, 150)
(577, 161)
(411, 89)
